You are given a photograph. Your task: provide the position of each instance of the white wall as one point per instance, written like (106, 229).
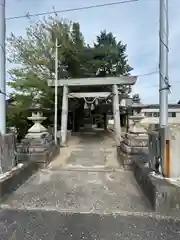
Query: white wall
(149, 120)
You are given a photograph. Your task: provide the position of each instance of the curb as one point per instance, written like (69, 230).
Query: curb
(163, 196)
(16, 178)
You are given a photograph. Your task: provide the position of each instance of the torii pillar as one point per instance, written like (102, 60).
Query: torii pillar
(116, 115)
(64, 116)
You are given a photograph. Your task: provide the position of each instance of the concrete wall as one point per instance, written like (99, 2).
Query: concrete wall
(174, 152)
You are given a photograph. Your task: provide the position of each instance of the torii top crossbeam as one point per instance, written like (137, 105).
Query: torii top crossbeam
(121, 80)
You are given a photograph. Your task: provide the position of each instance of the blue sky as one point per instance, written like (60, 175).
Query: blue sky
(136, 24)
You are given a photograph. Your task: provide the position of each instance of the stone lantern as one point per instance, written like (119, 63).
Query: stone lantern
(134, 123)
(38, 145)
(37, 130)
(136, 139)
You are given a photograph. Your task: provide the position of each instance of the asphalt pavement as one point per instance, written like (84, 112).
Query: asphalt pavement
(48, 225)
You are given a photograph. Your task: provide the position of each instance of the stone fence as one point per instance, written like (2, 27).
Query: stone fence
(154, 150)
(7, 152)
(164, 150)
(12, 152)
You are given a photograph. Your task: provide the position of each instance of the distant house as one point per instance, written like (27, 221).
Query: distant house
(151, 114)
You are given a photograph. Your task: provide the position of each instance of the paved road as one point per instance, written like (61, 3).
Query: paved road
(36, 225)
(72, 201)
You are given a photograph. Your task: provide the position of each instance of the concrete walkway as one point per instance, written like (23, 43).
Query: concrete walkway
(85, 177)
(88, 151)
(82, 194)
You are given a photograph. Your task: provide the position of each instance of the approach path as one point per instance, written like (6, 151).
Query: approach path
(82, 194)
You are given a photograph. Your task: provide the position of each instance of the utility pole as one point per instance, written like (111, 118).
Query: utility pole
(163, 64)
(163, 85)
(2, 68)
(56, 93)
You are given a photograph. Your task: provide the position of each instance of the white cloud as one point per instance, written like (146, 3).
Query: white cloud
(136, 24)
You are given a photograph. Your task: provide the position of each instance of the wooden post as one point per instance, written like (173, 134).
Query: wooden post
(64, 116)
(116, 115)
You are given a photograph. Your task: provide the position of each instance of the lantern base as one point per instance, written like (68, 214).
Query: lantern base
(36, 131)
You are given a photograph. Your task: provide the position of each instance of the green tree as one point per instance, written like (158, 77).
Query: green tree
(110, 56)
(34, 58)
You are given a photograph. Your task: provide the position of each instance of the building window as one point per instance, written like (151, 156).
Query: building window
(148, 114)
(171, 114)
(155, 114)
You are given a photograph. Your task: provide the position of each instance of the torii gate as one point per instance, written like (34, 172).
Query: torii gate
(97, 81)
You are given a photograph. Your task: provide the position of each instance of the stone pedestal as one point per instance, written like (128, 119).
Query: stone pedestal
(134, 143)
(40, 150)
(136, 140)
(38, 145)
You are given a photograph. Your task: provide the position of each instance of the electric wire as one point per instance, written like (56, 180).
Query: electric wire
(28, 15)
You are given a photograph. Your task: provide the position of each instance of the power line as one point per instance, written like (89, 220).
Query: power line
(28, 15)
(147, 74)
(84, 8)
(78, 9)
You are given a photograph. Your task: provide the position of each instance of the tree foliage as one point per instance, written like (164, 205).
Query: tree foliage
(34, 60)
(110, 55)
